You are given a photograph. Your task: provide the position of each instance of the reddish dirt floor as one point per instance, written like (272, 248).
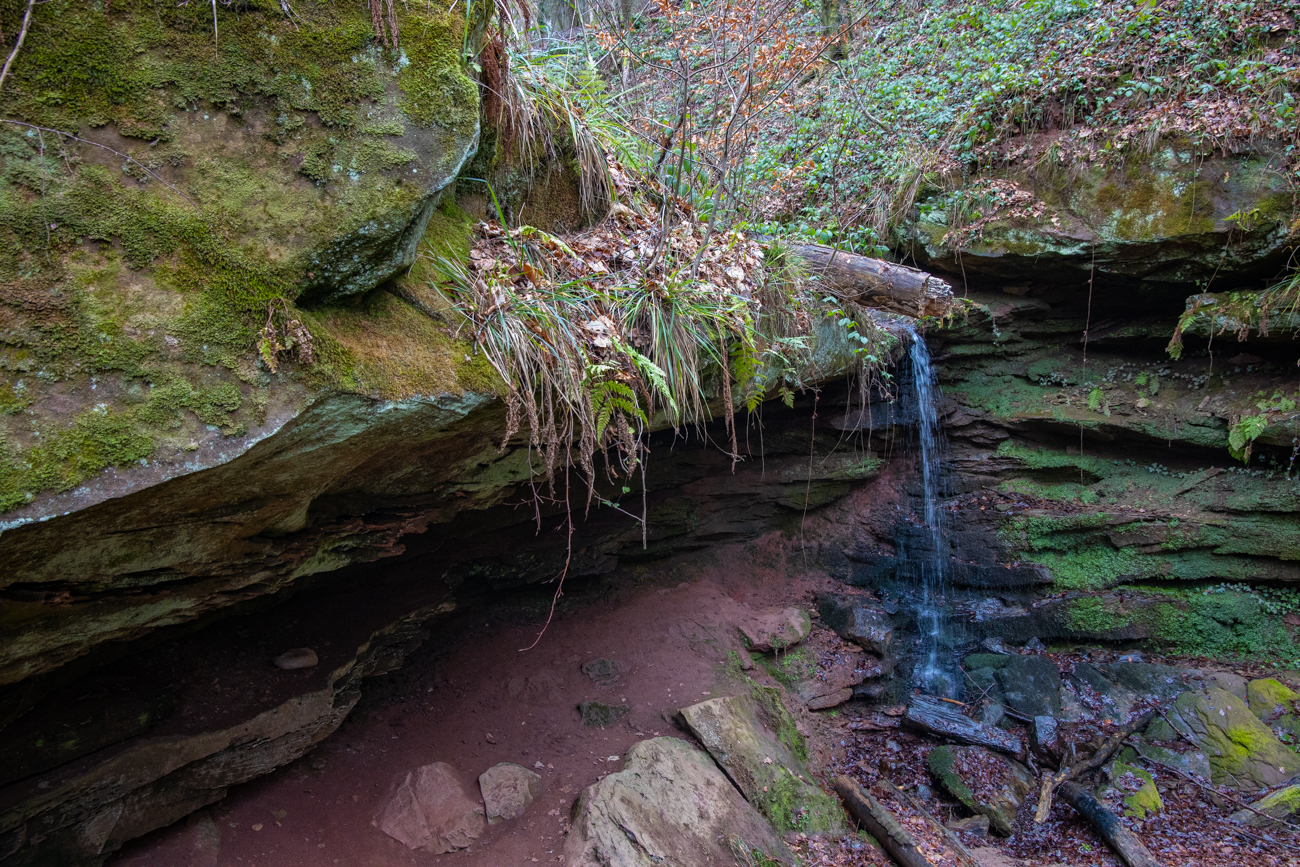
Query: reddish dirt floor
(471, 698)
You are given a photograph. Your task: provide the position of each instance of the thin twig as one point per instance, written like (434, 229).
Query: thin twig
(126, 157)
(22, 34)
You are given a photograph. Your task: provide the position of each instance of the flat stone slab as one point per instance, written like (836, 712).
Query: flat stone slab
(432, 810)
(754, 739)
(771, 629)
(507, 790)
(670, 805)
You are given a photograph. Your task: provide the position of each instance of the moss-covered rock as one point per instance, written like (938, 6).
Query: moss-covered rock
(1175, 213)
(986, 783)
(1273, 809)
(1243, 752)
(755, 741)
(1137, 790)
(167, 179)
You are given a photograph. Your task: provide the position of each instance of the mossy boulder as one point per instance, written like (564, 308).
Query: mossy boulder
(755, 740)
(171, 184)
(1273, 809)
(986, 783)
(1136, 789)
(1243, 752)
(1277, 705)
(669, 805)
(1172, 214)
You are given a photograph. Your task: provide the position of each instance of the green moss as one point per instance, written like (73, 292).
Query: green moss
(1146, 800)
(110, 273)
(940, 762)
(435, 89)
(94, 440)
(1266, 695)
(787, 731)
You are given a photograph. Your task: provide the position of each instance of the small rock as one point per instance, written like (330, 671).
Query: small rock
(994, 645)
(977, 825)
(431, 809)
(600, 715)
(299, 657)
(1131, 656)
(775, 629)
(604, 672)
(1138, 787)
(1046, 738)
(1033, 645)
(507, 790)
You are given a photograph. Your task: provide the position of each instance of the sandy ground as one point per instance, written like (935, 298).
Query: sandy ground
(471, 698)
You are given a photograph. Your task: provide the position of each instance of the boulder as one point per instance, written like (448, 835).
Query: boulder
(507, 790)
(669, 805)
(775, 629)
(987, 783)
(432, 810)
(1277, 705)
(1280, 806)
(754, 739)
(1029, 685)
(1242, 751)
(867, 625)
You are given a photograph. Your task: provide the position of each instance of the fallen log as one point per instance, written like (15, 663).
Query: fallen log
(934, 717)
(880, 823)
(1126, 845)
(877, 283)
(963, 856)
(1052, 781)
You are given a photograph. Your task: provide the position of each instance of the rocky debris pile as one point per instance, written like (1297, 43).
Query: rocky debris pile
(432, 809)
(1150, 756)
(850, 657)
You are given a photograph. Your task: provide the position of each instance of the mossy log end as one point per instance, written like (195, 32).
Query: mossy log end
(877, 283)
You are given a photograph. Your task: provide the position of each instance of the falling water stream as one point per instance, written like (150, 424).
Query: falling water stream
(932, 674)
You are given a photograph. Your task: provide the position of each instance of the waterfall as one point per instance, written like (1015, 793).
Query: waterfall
(932, 674)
